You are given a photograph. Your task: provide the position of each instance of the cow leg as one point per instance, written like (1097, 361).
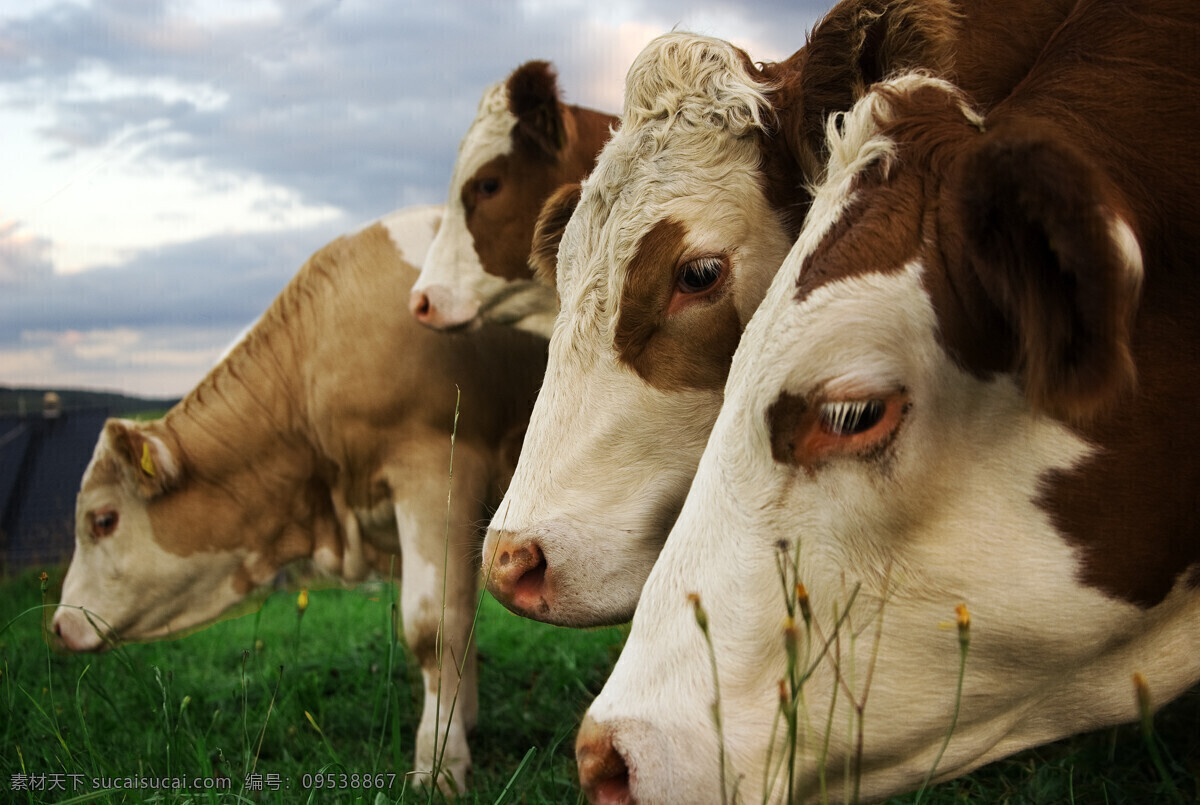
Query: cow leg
(437, 621)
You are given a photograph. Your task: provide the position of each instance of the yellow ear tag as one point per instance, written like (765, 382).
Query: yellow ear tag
(147, 461)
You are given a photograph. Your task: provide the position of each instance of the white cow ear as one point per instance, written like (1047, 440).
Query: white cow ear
(146, 458)
(1060, 268)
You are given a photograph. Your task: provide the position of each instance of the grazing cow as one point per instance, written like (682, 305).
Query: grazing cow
(688, 215)
(324, 433)
(963, 388)
(523, 145)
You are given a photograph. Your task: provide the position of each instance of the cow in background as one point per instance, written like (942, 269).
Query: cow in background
(523, 145)
(676, 235)
(325, 433)
(971, 384)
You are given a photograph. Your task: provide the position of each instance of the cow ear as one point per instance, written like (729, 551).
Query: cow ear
(146, 458)
(854, 46)
(533, 100)
(888, 38)
(1063, 268)
(548, 232)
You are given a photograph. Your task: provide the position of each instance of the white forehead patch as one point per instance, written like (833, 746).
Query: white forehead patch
(690, 110)
(489, 136)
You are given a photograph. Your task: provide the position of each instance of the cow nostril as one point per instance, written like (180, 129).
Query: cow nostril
(603, 773)
(518, 577)
(58, 627)
(530, 584)
(420, 305)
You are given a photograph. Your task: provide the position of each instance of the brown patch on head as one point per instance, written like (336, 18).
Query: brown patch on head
(880, 231)
(502, 201)
(691, 349)
(552, 144)
(548, 233)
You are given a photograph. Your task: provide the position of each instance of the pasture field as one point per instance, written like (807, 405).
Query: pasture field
(268, 699)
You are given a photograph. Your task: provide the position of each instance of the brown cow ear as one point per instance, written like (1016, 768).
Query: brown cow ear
(533, 100)
(854, 46)
(1060, 266)
(548, 232)
(890, 38)
(146, 458)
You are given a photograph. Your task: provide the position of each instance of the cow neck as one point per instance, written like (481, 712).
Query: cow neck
(242, 443)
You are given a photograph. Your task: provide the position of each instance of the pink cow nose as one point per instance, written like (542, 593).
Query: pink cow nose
(517, 577)
(73, 634)
(437, 307)
(421, 308)
(603, 773)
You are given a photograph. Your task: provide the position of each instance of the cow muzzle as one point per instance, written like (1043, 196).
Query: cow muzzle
(603, 772)
(516, 571)
(75, 631)
(437, 308)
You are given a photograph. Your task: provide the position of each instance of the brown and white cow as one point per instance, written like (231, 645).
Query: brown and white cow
(971, 383)
(325, 433)
(688, 215)
(523, 144)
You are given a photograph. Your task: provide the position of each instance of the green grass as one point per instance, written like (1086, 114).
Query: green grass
(233, 698)
(236, 698)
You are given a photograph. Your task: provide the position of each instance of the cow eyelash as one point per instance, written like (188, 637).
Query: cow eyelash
(699, 275)
(851, 417)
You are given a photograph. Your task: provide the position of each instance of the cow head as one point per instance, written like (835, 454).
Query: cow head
(660, 258)
(157, 550)
(902, 419)
(666, 254)
(523, 144)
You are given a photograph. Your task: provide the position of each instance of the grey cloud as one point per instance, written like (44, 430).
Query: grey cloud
(215, 282)
(351, 105)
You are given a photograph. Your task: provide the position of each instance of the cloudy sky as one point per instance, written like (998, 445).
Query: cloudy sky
(167, 165)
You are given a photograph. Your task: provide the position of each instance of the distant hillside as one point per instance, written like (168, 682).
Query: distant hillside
(27, 400)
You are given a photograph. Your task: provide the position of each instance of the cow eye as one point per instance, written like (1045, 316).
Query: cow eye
(806, 434)
(104, 523)
(486, 188)
(700, 275)
(849, 418)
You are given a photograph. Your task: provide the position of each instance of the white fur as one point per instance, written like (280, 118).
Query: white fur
(108, 577)
(608, 458)
(953, 519)
(412, 229)
(451, 274)
(949, 516)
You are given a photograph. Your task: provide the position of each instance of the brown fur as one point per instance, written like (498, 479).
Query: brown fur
(278, 415)
(553, 144)
(548, 233)
(986, 46)
(1012, 227)
(681, 351)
